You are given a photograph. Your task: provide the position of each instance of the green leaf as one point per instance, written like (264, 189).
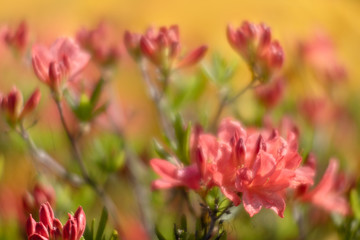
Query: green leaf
(355, 204)
(102, 224)
(89, 232)
(159, 149)
(183, 223)
(96, 92)
(114, 235)
(158, 234)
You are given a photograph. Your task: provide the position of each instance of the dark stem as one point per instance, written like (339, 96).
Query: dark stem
(215, 216)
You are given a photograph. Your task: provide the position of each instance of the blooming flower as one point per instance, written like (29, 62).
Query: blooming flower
(63, 60)
(253, 42)
(261, 166)
(50, 227)
(13, 106)
(329, 192)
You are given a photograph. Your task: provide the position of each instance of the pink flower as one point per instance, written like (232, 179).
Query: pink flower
(205, 150)
(319, 52)
(271, 94)
(50, 227)
(18, 38)
(63, 60)
(253, 42)
(329, 192)
(316, 110)
(99, 42)
(13, 106)
(261, 166)
(162, 48)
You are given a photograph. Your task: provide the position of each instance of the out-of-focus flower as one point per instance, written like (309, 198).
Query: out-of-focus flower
(253, 42)
(270, 94)
(13, 106)
(316, 110)
(18, 38)
(50, 227)
(319, 53)
(329, 192)
(132, 44)
(261, 166)
(62, 61)
(39, 195)
(98, 42)
(162, 48)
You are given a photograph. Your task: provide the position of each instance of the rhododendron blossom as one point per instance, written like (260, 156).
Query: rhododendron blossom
(63, 60)
(329, 192)
(253, 42)
(261, 166)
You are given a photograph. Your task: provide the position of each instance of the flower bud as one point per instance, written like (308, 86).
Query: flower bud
(46, 215)
(31, 103)
(41, 230)
(30, 225)
(80, 219)
(193, 57)
(70, 229)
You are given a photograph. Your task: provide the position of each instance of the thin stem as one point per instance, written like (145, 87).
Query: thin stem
(226, 100)
(46, 161)
(157, 97)
(107, 201)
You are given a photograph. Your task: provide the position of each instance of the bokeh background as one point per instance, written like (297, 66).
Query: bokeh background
(200, 22)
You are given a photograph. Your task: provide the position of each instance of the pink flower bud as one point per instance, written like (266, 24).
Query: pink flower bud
(37, 237)
(41, 230)
(149, 50)
(31, 103)
(132, 44)
(193, 57)
(70, 229)
(30, 225)
(56, 231)
(80, 219)
(46, 215)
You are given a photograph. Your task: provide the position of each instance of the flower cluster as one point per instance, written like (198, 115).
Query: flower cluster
(39, 195)
(257, 165)
(13, 108)
(253, 42)
(18, 38)
(162, 47)
(63, 60)
(50, 227)
(97, 42)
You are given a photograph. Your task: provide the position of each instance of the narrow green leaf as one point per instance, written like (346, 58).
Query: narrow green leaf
(96, 92)
(158, 234)
(160, 150)
(355, 204)
(102, 224)
(183, 223)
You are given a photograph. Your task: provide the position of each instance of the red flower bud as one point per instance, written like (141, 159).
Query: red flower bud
(193, 57)
(41, 230)
(30, 225)
(37, 237)
(56, 231)
(80, 219)
(31, 103)
(46, 215)
(70, 229)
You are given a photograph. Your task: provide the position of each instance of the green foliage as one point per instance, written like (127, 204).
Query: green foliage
(86, 108)
(99, 234)
(220, 71)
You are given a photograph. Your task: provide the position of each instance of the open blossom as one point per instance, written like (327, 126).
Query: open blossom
(13, 108)
(98, 42)
(50, 227)
(253, 42)
(261, 166)
(329, 193)
(63, 60)
(319, 52)
(205, 150)
(162, 47)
